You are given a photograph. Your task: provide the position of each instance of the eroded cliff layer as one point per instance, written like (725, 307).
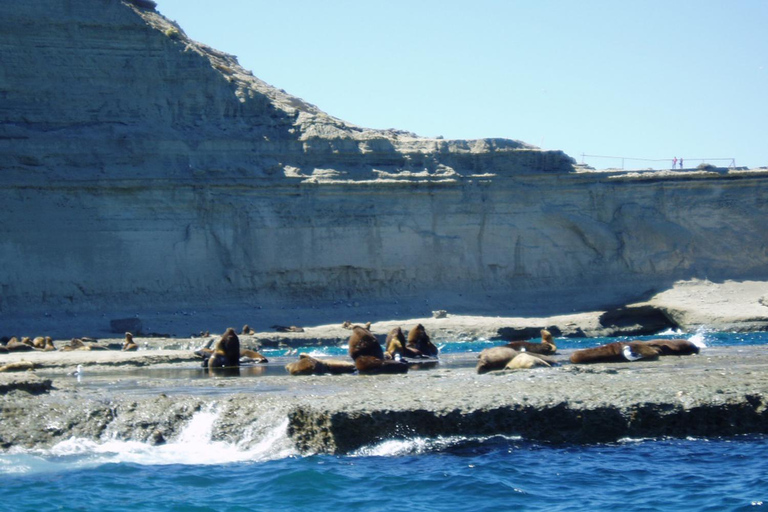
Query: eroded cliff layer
(140, 168)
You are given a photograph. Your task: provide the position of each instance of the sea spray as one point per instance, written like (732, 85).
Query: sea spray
(263, 439)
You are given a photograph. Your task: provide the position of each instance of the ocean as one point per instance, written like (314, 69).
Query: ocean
(195, 473)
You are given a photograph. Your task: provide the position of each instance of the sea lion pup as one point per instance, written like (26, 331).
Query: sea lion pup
(251, 356)
(129, 344)
(616, 352)
(308, 365)
(366, 352)
(226, 352)
(14, 345)
(419, 342)
(247, 330)
(546, 347)
(670, 347)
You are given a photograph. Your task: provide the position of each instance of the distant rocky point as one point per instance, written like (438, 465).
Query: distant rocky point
(140, 169)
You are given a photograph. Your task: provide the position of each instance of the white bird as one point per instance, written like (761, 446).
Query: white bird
(78, 372)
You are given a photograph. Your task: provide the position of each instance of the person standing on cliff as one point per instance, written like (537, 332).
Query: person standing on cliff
(681, 162)
(674, 162)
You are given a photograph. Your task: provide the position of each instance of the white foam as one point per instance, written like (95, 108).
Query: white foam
(418, 445)
(266, 439)
(699, 338)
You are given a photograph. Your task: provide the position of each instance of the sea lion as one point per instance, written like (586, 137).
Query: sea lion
(670, 347)
(14, 345)
(526, 360)
(283, 328)
(129, 344)
(495, 358)
(546, 347)
(19, 366)
(49, 346)
(226, 352)
(308, 365)
(616, 352)
(419, 342)
(395, 344)
(251, 356)
(366, 352)
(39, 343)
(247, 330)
(363, 343)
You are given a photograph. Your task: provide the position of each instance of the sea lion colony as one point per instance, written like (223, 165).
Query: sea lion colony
(398, 354)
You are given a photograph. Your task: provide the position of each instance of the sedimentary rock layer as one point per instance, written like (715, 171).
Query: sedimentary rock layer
(139, 168)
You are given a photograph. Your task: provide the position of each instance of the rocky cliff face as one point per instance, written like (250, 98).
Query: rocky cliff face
(140, 168)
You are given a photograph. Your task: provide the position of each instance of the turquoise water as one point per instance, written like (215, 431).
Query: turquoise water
(457, 474)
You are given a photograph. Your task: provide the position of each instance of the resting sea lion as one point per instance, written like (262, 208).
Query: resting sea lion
(526, 360)
(247, 330)
(283, 328)
(495, 358)
(368, 355)
(129, 344)
(419, 342)
(226, 352)
(39, 343)
(308, 365)
(616, 352)
(546, 347)
(673, 347)
(251, 356)
(14, 345)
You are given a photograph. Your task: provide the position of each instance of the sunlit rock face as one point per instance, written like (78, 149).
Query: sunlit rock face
(141, 168)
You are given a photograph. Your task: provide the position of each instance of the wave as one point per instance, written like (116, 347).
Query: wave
(265, 440)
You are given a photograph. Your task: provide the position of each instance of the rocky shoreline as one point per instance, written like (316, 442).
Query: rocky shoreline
(150, 395)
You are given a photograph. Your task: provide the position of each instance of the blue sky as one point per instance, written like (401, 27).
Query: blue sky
(646, 79)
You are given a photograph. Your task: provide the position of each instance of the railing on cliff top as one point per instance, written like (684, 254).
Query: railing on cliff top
(661, 163)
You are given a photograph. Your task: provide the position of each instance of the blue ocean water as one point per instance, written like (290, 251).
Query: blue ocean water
(457, 474)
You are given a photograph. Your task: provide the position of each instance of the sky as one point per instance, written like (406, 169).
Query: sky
(645, 80)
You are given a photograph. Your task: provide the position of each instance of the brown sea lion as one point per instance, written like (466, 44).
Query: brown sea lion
(495, 358)
(308, 365)
(19, 366)
(368, 355)
(363, 343)
(129, 344)
(546, 347)
(283, 328)
(14, 345)
(49, 346)
(616, 352)
(395, 344)
(247, 330)
(251, 356)
(39, 343)
(226, 352)
(669, 347)
(419, 342)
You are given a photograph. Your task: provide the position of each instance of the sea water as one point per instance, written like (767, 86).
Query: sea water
(193, 472)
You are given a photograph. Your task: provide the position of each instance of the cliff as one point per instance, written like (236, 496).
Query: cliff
(142, 170)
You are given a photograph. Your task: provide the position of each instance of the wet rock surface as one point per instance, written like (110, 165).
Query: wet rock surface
(723, 391)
